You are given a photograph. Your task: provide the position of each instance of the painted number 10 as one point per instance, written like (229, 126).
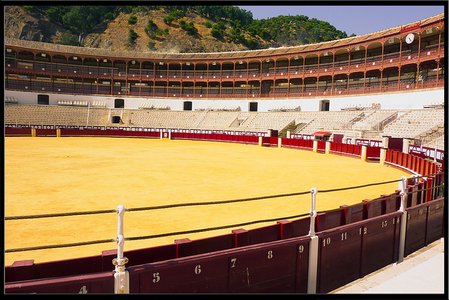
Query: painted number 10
(326, 241)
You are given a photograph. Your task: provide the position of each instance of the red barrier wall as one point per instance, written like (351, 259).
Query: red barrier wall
(372, 153)
(435, 221)
(349, 252)
(416, 228)
(266, 267)
(12, 131)
(45, 132)
(268, 259)
(99, 283)
(338, 257)
(380, 238)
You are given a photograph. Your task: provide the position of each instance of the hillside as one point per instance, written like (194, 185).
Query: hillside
(174, 29)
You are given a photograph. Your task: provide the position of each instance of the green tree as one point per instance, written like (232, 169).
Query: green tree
(68, 38)
(132, 37)
(218, 30)
(151, 45)
(132, 19)
(188, 27)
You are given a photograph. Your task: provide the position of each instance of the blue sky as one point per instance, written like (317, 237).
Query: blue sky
(352, 19)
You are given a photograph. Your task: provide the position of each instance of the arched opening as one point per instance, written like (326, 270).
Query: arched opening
(296, 87)
(296, 66)
(356, 82)
(174, 70)
(134, 87)
(160, 70)
(374, 53)
(240, 88)
(214, 70)
(310, 85)
(120, 69)
(408, 76)
(427, 73)
(282, 66)
(134, 69)
(10, 58)
(105, 66)
(188, 70)
(227, 71)
(357, 55)
(241, 69)
(146, 88)
(253, 88)
(311, 63)
(120, 87)
(160, 88)
(267, 67)
(372, 81)
(267, 87)
(213, 89)
(326, 62)
(281, 88)
(390, 79)
(325, 85)
(25, 60)
(201, 89)
(341, 58)
(147, 70)
(200, 70)
(340, 84)
(90, 66)
(253, 69)
(174, 89)
(187, 89)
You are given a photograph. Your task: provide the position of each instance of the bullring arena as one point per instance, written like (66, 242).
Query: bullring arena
(169, 137)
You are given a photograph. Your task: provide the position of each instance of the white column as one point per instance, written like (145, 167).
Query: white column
(313, 248)
(315, 146)
(363, 155)
(383, 155)
(385, 140)
(403, 225)
(121, 276)
(406, 145)
(328, 147)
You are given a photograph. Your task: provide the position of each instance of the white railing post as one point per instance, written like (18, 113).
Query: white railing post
(121, 276)
(403, 226)
(313, 247)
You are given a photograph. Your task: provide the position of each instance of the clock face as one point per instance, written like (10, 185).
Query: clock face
(409, 38)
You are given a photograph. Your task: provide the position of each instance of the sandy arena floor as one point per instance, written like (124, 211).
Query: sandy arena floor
(53, 175)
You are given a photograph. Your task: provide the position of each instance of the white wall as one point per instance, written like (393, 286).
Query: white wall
(402, 100)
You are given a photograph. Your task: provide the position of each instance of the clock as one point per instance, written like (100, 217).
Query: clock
(409, 38)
